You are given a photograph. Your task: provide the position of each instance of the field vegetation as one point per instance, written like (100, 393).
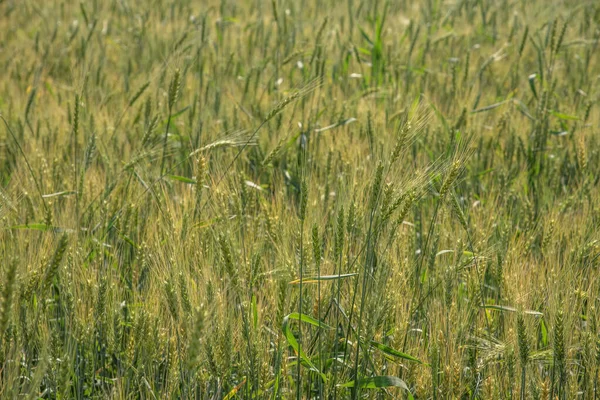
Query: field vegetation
(311, 199)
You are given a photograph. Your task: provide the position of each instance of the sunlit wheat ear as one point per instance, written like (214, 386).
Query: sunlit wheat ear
(559, 350)
(174, 88)
(200, 175)
(582, 158)
(401, 142)
(409, 129)
(407, 203)
(455, 166)
(151, 126)
(450, 178)
(386, 196)
(376, 188)
(460, 215)
(235, 138)
(308, 88)
(388, 211)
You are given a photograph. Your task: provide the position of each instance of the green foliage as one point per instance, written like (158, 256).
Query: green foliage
(314, 199)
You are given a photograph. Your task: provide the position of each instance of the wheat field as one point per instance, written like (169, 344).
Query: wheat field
(310, 199)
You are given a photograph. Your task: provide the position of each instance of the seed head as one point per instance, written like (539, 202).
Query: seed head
(174, 89)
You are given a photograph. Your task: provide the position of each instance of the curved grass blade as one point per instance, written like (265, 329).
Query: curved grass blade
(309, 320)
(376, 382)
(488, 108)
(234, 391)
(512, 309)
(291, 339)
(182, 179)
(35, 227)
(59, 194)
(395, 353)
(316, 279)
(564, 116)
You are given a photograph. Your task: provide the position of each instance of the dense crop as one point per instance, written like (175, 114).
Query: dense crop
(299, 199)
